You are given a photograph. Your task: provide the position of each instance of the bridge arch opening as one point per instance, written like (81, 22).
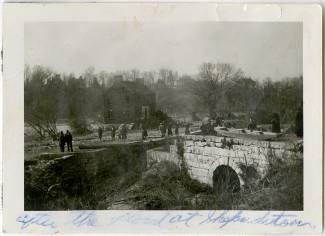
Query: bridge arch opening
(225, 180)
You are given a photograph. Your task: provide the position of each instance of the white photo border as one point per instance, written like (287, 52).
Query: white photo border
(17, 14)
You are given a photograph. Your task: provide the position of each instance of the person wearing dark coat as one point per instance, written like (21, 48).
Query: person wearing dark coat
(164, 129)
(124, 131)
(62, 141)
(68, 139)
(100, 133)
(169, 130)
(276, 128)
(161, 129)
(144, 133)
(113, 133)
(251, 125)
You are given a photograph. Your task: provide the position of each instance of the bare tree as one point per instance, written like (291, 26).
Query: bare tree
(89, 75)
(134, 74)
(42, 88)
(168, 76)
(212, 79)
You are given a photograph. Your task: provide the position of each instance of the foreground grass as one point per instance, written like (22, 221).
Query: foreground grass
(280, 189)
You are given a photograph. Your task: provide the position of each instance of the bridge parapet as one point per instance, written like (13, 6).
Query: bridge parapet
(217, 141)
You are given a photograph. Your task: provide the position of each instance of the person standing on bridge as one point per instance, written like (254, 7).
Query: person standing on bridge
(113, 133)
(276, 128)
(251, 124)
(100, 133)
(161, 128)
(169, 130)
(61, 141)
(144, 133)
(68, 139)
(124, 131)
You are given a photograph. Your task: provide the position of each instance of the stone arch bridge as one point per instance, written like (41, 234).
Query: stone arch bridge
(204, 156)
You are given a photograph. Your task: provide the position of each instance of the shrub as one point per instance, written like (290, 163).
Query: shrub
(280, 189)
(80, 126)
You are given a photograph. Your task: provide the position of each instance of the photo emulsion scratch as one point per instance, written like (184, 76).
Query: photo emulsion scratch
(163, 116)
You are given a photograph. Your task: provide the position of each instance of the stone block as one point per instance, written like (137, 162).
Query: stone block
(189, 143)
(189, 157)
(187, 149)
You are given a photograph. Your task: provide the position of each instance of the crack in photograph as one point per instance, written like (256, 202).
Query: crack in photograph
(163, 116)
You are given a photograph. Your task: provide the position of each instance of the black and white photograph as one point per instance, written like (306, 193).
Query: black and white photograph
(163, 116)
(149, 118)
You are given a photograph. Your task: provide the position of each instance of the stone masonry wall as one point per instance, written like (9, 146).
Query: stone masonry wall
(203, 154)
(157, 155)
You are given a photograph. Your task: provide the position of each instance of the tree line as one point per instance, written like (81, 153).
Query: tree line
(216, 90)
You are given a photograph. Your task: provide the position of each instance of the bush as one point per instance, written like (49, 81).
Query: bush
(280, 189)
(165, 186)
(80, 126)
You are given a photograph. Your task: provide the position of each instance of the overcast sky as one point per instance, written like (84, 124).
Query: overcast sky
(260, 49)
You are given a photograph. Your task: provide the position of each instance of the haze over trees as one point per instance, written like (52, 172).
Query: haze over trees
(216, 90)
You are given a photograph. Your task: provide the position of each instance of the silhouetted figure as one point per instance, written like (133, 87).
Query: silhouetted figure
(68, 139)
(169, 130)
(62, 141)
(162, 129)
(203, 129)
(120, 132)
(113, 133)
(299, 123)
(176, 129)
(144, 133)
(218, 121)
(276, 123)
(251, 125)
(124, 131)
(187, 128)
(100, 133)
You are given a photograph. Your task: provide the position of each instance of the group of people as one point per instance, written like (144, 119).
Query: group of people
(65, 139)
(122, 132)
(167, 128)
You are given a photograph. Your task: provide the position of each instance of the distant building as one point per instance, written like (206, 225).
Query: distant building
(128, 101)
